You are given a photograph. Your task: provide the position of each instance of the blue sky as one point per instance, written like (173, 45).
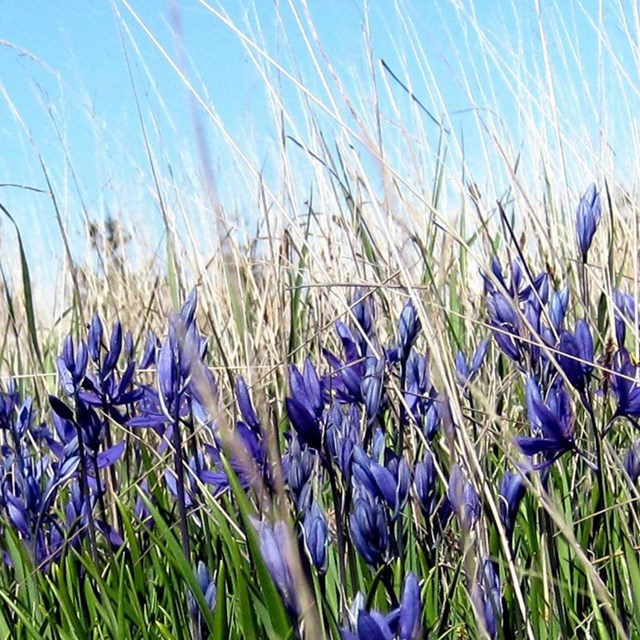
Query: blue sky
(67, 96)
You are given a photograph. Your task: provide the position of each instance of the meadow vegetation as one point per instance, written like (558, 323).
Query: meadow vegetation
(398, 399)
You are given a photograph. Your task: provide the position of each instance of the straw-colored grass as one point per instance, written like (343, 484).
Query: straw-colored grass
(358, 175)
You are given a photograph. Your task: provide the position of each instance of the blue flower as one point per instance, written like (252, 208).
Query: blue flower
(587, 219)
(505, 319)
(300, 463)
(345, 381)
(512, 490)
(625, 386)
(316, 537)
(72, 367)
(486, 598)
(552, 421)
(306, 405)
(464, 499)
(558, 305)
(151, 346)
(632, 461)
(246, 406)
(465, 373)
(372, 386)
(390, 482)
(409, 326)
(369, 529)
(250, 462)
(210, 593)
(517, 287)
(370, 626)
(417, 384)
(277, 553)
(575, 355)
(424, 481)
(403, 622)
(363, 312)
(343, 435)
(409, 623)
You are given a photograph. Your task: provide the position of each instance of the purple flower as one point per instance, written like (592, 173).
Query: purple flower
(575, 355)
(72, 367)
(299, 469)
(409, 326)
(246, 406)
(306, 405)
(248, 457)
(465, 373)
(369, 530)
(316, 537)
(372, 386)
(363, 312)
(512, 490)
(625, 386)
(401, 473)
(277, 553)
(371, 626)
(417, 383)
(108, 391)
(486, 598)
(343, 435)
(464, 499)
(251, 460)
(518, 287)
(168, 371)
(558, 305)
(409, 623)
(553, 422)
(424, 481)
(151, 346)
(505, 318)
(632, 461)
(188, 310)
(210, 593)
(390, 483)
(432, 420)
(587, 219)
(94, 340)
(403, 623)
(113, 354)
(346, 378)
(190, 486)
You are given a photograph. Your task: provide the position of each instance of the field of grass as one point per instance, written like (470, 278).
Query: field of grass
(398, 399)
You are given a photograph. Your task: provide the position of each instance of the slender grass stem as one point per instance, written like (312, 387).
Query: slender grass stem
(178, 463)
(340, 531)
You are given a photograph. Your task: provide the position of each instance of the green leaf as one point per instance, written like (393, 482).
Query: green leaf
(169, 545)
(19, 610)
(28, 293)
(277, 618)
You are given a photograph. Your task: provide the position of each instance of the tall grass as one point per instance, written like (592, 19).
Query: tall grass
(373, 183)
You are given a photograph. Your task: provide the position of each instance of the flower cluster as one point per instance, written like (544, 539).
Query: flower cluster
(363, 474)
